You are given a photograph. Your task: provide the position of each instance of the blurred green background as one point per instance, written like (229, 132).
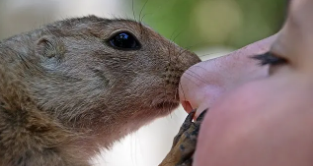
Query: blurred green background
(193, 24)
(205, 23)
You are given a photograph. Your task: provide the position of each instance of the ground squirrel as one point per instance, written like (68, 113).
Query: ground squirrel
(76, 85)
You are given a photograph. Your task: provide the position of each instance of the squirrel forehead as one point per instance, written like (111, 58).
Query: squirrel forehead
(97, 27)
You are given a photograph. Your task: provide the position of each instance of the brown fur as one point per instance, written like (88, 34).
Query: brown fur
(64, 93)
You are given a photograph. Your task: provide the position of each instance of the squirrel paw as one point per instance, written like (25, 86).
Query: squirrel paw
(184, 143)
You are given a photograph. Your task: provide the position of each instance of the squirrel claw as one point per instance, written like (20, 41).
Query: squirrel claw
(184, 143)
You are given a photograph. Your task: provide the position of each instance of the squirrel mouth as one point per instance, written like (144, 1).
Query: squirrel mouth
(167, 105)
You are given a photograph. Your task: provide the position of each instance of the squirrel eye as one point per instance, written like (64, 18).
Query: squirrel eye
(124, 41)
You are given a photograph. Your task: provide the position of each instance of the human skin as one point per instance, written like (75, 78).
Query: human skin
(258, 115)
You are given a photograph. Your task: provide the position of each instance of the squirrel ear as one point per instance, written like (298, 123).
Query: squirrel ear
(49, 46)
